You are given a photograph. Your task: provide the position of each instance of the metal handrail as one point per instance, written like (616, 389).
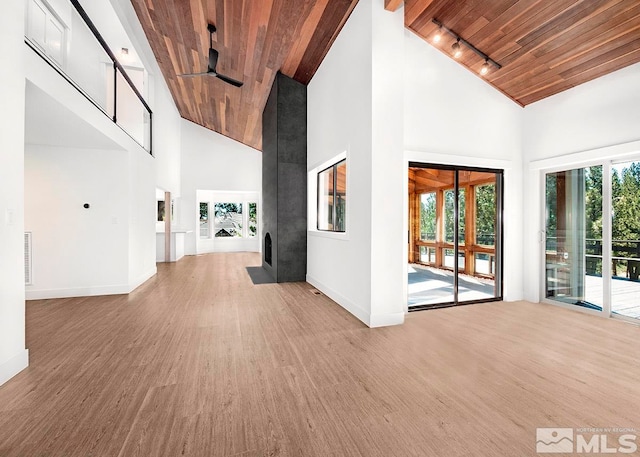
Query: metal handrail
(85, 17)
(117, 67)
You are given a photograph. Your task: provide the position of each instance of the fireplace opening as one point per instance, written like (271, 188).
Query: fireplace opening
(267, 248)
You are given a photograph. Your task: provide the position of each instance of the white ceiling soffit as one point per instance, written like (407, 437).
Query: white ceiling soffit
(47, 122)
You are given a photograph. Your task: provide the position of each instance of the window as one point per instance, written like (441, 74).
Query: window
(253, 220)
(227, 220)
(449, 201)
(428, 216)
(231, 217)
(46, 31)
(332, 198)
(486, 215)
(204, 220)
(160, 217)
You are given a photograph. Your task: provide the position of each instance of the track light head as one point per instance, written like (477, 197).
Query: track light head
(438, 35)
(456, 49)
(485, 67)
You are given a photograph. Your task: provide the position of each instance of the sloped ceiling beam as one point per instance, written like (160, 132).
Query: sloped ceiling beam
(392, 5)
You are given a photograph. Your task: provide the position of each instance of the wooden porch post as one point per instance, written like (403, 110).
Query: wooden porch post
(439, 227)
(469, 230)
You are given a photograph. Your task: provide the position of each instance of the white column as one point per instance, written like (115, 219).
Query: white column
(13, 355)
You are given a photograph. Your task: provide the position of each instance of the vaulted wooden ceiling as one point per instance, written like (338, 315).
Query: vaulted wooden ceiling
(544, 46)
(255, 39)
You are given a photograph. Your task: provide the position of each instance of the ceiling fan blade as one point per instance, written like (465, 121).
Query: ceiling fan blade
(231, 81)
(193, 75)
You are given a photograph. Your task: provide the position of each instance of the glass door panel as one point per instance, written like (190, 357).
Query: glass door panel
(573, 245)
(455, 234)
(625, 242)
(430, 281)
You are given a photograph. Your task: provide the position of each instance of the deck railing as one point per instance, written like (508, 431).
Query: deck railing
(625, 256)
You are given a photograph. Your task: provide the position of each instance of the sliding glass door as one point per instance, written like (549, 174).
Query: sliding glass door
(593, 260)
(625, 239)
(455, 241)
(573, 248)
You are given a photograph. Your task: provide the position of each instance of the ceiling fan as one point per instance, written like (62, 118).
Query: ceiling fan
(213, 62)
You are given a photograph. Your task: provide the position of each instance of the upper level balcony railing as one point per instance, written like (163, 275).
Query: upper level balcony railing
(70, 42)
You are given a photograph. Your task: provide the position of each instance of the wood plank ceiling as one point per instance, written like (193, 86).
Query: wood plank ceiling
(544, 46)
(255, 39)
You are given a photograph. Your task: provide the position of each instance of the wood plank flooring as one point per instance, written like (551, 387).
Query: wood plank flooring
(200, 362)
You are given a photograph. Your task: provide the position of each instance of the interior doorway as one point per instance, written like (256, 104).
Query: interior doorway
(455, 235)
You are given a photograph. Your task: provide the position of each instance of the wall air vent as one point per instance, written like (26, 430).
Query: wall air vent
(28, 273)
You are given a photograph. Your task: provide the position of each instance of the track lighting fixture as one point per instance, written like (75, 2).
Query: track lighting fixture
(485, 67)
(456, 48)
(438, 35)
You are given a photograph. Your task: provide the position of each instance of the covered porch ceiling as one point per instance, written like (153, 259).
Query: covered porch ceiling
(430, 179)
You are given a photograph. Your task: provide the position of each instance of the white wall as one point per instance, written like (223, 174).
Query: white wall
(77, 251)
(454, 117)
(167, 125)
(137, 169)
(142, 207)
(603, 112)
(589, 123)
(213, 162)
(385, 107)
(13, 355)
(166, 119)
(388, 237)
(339, 119)
(450, 110)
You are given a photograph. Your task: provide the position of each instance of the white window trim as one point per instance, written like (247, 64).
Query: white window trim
(604, 157)
(312, 199)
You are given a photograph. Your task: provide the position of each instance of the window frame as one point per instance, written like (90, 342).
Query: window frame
(249, 234)
(334, 168)
(429, 240)
(51, 19)
(208, 223)
(242, 232)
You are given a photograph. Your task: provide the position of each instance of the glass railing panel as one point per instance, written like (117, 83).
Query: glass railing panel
(76, 49)
(130, 113)
(89, 66)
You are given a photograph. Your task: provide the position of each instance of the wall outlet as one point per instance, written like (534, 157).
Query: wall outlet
(9, 217)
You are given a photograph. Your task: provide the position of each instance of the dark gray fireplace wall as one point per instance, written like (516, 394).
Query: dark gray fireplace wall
(284, 179)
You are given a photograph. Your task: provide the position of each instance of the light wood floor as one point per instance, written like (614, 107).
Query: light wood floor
(199, 362)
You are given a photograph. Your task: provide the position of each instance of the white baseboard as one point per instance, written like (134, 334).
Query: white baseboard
(121, 289)
(44, 294)
(377, 320)
(13, 366)
(386, 320)
(347, 304)
(143, 278)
